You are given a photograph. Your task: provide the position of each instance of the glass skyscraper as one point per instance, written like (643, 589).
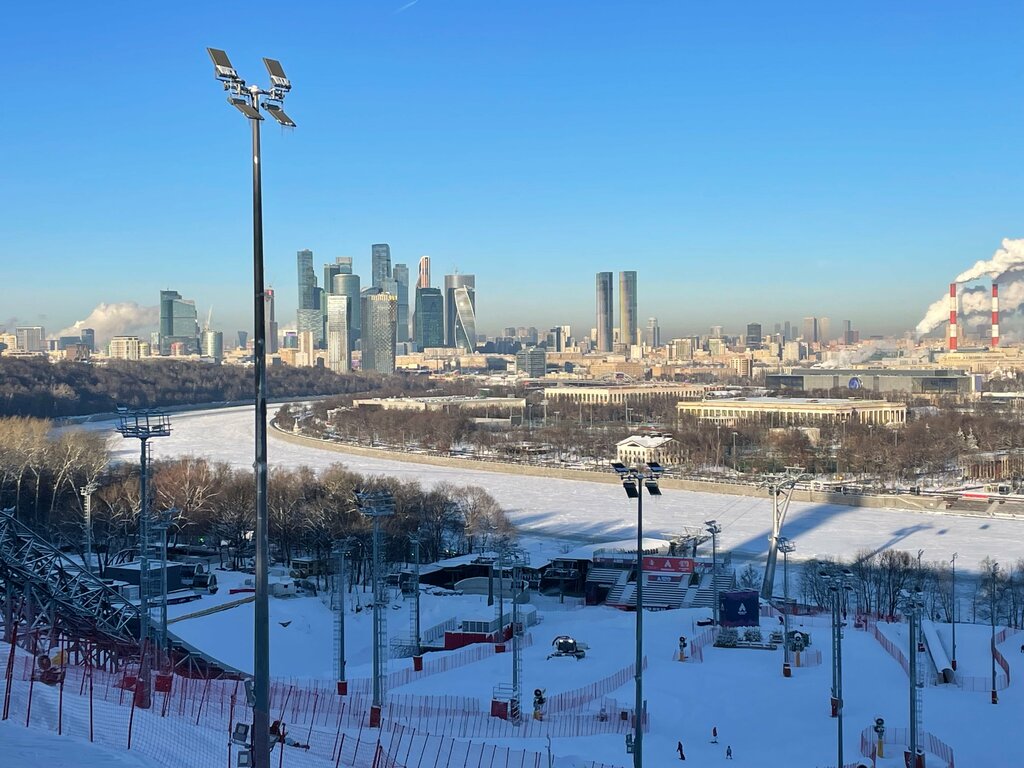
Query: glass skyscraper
(627, 309)
(380, 264)
(451, 282)
(348, 285)
(429, 316)
(604, 312)
(308, 314)
(178, 323)
(338, 349)
(400, 273)
(380, 316)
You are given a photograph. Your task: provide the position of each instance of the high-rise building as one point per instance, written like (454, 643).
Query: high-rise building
(179, 324)
(89, 338)
(211, 344)
(451, 283)
(338, 349)
(753, 339)
(627, 309)
(787, 331)
(31, 338)
(380, 264)
(348, 285)
(810, 326)
(429, 317)
(716, 332)
(269, 322)
(824, 330)
(243, 339)
(342, 266)
(124, 348)
(653, 337)
(533, 362)
(604, 312)
(465, 318)
(380, 316)
(556, 341)
(308, 316)
(424, 273)
(400, 274)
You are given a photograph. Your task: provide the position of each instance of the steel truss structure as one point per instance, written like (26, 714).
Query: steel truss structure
(43, 592)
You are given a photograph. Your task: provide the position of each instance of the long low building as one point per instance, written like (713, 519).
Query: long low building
(794, 411)
(605, 394)
(452, 403)
(926, 381)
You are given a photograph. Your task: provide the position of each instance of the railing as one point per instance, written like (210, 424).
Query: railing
(900, 738)
(578, 697)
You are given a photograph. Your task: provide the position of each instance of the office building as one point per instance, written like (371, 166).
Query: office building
(451, 283)
(269, 322)
(338, 349)
(465, 319)
(653, 337)
(423, 280)
(604, 312)
(555, 341)
(810, 330)
(211, 344)
(124, 348)
(380, 264)
(89, 338)
(348, 285)
(342, 266)
(179, 324)
(429, 318)
(400, 274)
(824, 330)
(308, 314)
(532, 362)
(31, 338)
(243, 339)
(627, 309)
(753, 339)
(380, 318)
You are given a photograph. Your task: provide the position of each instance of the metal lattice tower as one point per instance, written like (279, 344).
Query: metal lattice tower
(341, 550)
(780, 487)
(913, 606)
(377, 505)
(513, 559)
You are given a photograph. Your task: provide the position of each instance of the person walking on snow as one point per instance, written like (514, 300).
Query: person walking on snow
(728, 753)
(679, 749)
(714, 735)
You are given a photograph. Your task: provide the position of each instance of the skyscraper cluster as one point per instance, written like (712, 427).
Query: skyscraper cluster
(377, 320)
(628, 328)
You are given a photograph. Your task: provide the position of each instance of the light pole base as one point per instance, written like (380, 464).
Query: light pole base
(343, 687)
(787, 670)
(995, 697)
(374, 716)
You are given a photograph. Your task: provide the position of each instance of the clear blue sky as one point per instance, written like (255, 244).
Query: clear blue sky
(752, 161)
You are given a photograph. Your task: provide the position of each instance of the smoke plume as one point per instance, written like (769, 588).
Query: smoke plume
(1006, 267)
(124, 318)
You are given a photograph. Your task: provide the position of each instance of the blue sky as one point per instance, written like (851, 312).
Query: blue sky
(752, 161)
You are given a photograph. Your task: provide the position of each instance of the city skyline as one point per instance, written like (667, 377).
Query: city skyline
(805, 170)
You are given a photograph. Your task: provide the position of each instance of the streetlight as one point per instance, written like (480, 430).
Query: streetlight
(838, 584)
(633, 482)
(734, 434)
(249, 101)
(714, 528)
(376, 505)
(143, 426)
(953, 604)
(992, 617)
(913, 605)
(785, 547)
(87, 491)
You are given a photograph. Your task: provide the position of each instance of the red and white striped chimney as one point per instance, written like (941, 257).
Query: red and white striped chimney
(995, 314)
(952, 317)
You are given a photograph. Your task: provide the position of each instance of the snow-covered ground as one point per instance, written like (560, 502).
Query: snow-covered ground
(584, 510)
(22, 747)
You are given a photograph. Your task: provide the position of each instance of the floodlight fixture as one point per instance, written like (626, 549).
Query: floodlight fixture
(630, 487)
(277, 112)
(244, 105)
(619, 467)
(652, 486)
(223, 70)
(655, 467)
(277, 75)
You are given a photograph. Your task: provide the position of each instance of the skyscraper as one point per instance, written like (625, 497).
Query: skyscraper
(653, 338)
(89, 338)
(270, 322)
(308, 314)
(338, 357)
(424, 273)
(465, 318)
(211, 344)
(342, 266)
(627, 309)
(753, 340)
(380, 263)
(604, 311)
(400, 274)
(429, 317)
(810, 326)
(31, 338)
(178, 323)
(348, 285)
(451, 282)
(380, 316)
(243, 339)
(824, 330)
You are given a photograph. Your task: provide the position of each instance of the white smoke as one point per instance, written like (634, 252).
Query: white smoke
(846, 358)
(124, 318)
(1007, 261)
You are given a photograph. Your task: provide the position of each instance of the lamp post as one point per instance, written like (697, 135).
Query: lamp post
(913, 604)
(633, 483)
(341, 550)
(714, 528)
(376, 505)
(87, 491)
(143, 426)
(250, 101)
(785, 547)
(734, 434)
(953, 610)
(992, 617)
(838, 583)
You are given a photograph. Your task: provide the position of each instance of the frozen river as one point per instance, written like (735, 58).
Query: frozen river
(577, 509)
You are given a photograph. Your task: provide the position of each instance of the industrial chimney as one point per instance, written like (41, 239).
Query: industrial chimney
(995, 315)
(952, 317)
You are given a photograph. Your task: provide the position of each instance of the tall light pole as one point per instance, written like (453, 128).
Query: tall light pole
(341, 549)
(376, 505)
(992, 617)
(634, 480)
(953, 608)
(143, 426)
(249, 101)
(714, 528)
(838, 582)
(87, 491)
(786, 546)
(734, 434)
(913, 604)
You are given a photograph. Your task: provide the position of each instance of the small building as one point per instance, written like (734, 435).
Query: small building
(130, 573)
(643, 449)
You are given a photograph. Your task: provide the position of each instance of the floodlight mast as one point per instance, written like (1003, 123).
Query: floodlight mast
(249, 100)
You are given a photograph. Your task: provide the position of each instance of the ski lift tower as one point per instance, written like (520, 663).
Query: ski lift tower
(377, 505)
(143, 426)
(515, 559)
(780, 487)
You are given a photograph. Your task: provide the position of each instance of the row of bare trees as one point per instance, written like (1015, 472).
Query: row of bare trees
(880, 580)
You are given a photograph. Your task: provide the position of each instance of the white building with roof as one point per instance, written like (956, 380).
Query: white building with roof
(643, 449)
